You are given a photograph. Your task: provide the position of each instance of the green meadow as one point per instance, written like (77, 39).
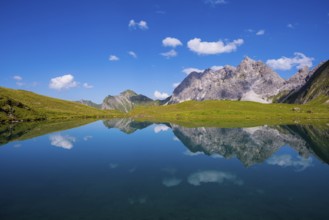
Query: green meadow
(20, 105)
(233, 113)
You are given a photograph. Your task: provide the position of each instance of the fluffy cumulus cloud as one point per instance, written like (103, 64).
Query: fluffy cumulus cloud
(215, 68)
(211, 48)
(18, 78)
(287, 160)
(160, 95)
(260, 32)
(212, 176)
(213, 3)
(132, 54)
(171, 42)
(59, 140)
(285, 63)
(159, 128)
(169, 54)
(113, 58)
(141, 24)
(171, 181)
(63, 82)
(87, 86)
(191, 69)
(174, 85)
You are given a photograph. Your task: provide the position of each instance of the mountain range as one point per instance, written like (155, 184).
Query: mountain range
(250, 81)
(253, 81)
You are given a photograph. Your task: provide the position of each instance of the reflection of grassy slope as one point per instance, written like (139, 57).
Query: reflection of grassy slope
(232, 113)
(20, 104)
(317, 138)
(27, 130)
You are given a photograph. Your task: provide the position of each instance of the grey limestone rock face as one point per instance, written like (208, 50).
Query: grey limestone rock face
(250, 81)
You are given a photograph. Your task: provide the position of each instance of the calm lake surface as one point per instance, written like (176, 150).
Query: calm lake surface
(121, 169)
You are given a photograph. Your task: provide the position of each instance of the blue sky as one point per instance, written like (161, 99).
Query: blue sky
(89, 49)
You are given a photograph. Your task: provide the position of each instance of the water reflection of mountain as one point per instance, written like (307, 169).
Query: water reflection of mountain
(255, 145)
(249, 145)
(126, 125)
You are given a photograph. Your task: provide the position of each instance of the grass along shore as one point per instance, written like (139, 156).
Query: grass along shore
(21, 105)
(233, 113)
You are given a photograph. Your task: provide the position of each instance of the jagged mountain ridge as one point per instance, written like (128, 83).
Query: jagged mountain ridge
(250, 81)
(90, 103)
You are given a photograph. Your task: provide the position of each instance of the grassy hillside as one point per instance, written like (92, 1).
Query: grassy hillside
(20, 104)
(316, 86)
(231, 113)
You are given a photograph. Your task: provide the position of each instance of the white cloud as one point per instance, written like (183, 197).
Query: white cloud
(171, 42)
(290, 26)
(63, 82)
(215, 68)
(210, 48)
(159, 128)
(170, 182)
(191, 69)
(113, 58)
(174, 85)
(141, 25)
(250, 30)
(213, 3)
(285, 63)
(87, 86)
(18, 78)
(169, 54)
(65, 142)
(260, 32)
(133, 54)
(211, 176)
(160, 95)
(286, 160)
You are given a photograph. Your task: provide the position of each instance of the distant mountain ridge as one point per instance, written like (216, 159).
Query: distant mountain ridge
(89, 103)
(250, 81)
(126, 101)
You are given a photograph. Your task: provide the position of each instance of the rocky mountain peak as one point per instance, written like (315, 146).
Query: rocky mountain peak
(125, 101)
(250, 81)
(128, 93)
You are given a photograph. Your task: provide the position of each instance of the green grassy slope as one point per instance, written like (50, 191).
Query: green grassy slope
(20, 104)
(316, 86)
(232, 113)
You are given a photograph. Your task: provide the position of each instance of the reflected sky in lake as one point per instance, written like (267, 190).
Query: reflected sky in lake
(122, 169)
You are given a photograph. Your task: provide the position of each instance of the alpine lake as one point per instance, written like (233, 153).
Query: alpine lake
(124, 169)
